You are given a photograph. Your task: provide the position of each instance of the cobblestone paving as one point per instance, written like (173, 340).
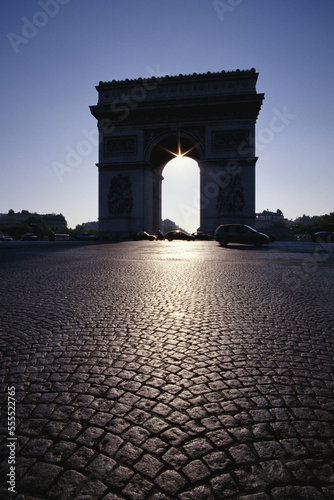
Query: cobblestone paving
(158, 370)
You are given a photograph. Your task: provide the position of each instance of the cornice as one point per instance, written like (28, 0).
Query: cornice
(181, 78)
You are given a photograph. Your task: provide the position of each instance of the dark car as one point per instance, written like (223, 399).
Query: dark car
(199, 235)
(179, 235)
(323, 236)
(240, 233)
(160, 235)
(29, 237)
(143, 235)
(86, 237)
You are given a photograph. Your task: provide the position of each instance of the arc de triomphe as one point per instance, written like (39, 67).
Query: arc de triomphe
(145, 123)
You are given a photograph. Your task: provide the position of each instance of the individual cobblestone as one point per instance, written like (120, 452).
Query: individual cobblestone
(168, 371)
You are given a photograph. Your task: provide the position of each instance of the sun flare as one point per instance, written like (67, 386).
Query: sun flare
(179, 153)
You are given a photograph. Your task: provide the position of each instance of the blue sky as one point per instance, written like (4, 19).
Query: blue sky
(54, 53)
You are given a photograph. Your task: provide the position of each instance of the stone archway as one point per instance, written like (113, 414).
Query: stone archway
(144, 123)
(164, 148)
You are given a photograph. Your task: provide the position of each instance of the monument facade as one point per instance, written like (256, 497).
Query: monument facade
(143, 124)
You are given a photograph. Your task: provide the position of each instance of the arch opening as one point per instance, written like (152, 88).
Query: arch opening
(181, 193)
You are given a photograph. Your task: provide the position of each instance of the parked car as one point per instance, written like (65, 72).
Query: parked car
(199, 235)
(29, 237)
(2, 236)
(323, 236)
(8, 238)
(240, 233)
(179, 235)
(86, 237)
(143, 235)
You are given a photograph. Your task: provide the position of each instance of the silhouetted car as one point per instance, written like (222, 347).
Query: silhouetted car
(8, 238)
(86, 237)
(323, 236)
(240, 233)
(144, 236)
(198, 235)
(2, 236)
(29, 237)
(179, 235)
(271, 237)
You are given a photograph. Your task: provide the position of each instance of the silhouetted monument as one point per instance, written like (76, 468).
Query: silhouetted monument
(143, 124)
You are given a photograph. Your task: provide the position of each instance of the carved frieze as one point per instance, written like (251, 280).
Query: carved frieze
(126, 145)
(231, 196)
(120, 198)
(229, 140)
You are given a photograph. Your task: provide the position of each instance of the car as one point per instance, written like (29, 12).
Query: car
(240, 233)
(178, 234)
(323, 236)
(143, 235)
(29, 237)
(8, 238)
(271, 237)
(160, 235)
(86, 237)
(199, 235)
(2, 236)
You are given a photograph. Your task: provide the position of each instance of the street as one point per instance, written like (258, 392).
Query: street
(167, 370)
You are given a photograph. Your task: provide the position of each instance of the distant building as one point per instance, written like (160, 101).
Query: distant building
(56, 222)
(267, 219)
(91, 226)
(306, 219)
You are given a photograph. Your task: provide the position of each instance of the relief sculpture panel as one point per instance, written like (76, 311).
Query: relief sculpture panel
(231, 196)
(120, 198)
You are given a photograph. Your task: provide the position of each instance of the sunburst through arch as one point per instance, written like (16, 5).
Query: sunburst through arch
(181, 192)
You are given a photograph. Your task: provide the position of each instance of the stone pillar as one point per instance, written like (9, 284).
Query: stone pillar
(157, 180)
(227, 193)
(125, 201)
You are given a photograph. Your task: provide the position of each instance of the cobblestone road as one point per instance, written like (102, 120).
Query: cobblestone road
(158, 370)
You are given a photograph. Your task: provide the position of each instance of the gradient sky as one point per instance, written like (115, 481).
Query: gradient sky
(52, 58)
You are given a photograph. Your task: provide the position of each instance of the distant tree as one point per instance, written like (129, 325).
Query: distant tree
(11, 212)
(323, 223)
(38, 226)
(78, 229)
(278, 223)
